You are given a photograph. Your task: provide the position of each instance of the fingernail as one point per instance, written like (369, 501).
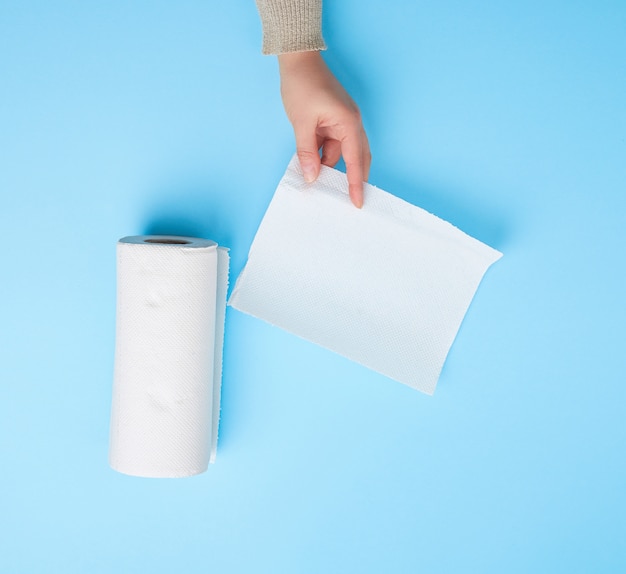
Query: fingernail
(308, 171)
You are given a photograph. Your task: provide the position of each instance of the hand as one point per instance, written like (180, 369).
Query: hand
(323, 116)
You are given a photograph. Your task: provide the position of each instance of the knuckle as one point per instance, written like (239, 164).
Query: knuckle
(355, 114)
(353, 117)
(306, 153)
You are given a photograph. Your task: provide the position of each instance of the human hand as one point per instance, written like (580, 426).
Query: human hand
(323, 116)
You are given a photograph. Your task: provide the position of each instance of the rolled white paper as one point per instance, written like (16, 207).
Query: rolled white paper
(171, 300)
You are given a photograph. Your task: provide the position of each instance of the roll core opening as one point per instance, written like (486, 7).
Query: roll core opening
(168, 241)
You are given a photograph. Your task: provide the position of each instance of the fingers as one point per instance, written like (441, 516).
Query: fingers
(355, 150)
(354, 147)
(308, 151)
(331, 152)
(367, 155)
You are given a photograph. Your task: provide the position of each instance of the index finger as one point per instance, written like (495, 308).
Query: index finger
(352, 151)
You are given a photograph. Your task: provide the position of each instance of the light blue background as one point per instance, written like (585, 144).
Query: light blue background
(506, 118)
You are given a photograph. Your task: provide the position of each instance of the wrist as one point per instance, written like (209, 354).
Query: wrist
(293, 61)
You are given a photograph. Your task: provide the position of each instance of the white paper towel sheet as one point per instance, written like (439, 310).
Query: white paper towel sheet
(386, 286)
(171, 301)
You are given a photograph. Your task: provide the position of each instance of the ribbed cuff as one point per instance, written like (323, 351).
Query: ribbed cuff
(291, 25)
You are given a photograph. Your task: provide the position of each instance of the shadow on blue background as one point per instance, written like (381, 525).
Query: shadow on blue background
(191, 211)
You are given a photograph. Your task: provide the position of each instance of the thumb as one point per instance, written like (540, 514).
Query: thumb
(308, 153)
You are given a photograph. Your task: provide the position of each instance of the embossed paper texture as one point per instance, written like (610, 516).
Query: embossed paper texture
(387, 285)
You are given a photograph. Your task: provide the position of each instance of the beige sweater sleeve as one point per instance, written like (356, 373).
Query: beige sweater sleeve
(291, 25)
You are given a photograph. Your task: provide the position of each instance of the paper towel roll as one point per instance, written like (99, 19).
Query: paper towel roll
(171, 299)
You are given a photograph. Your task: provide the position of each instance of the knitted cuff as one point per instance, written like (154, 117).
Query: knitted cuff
(291, 25)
